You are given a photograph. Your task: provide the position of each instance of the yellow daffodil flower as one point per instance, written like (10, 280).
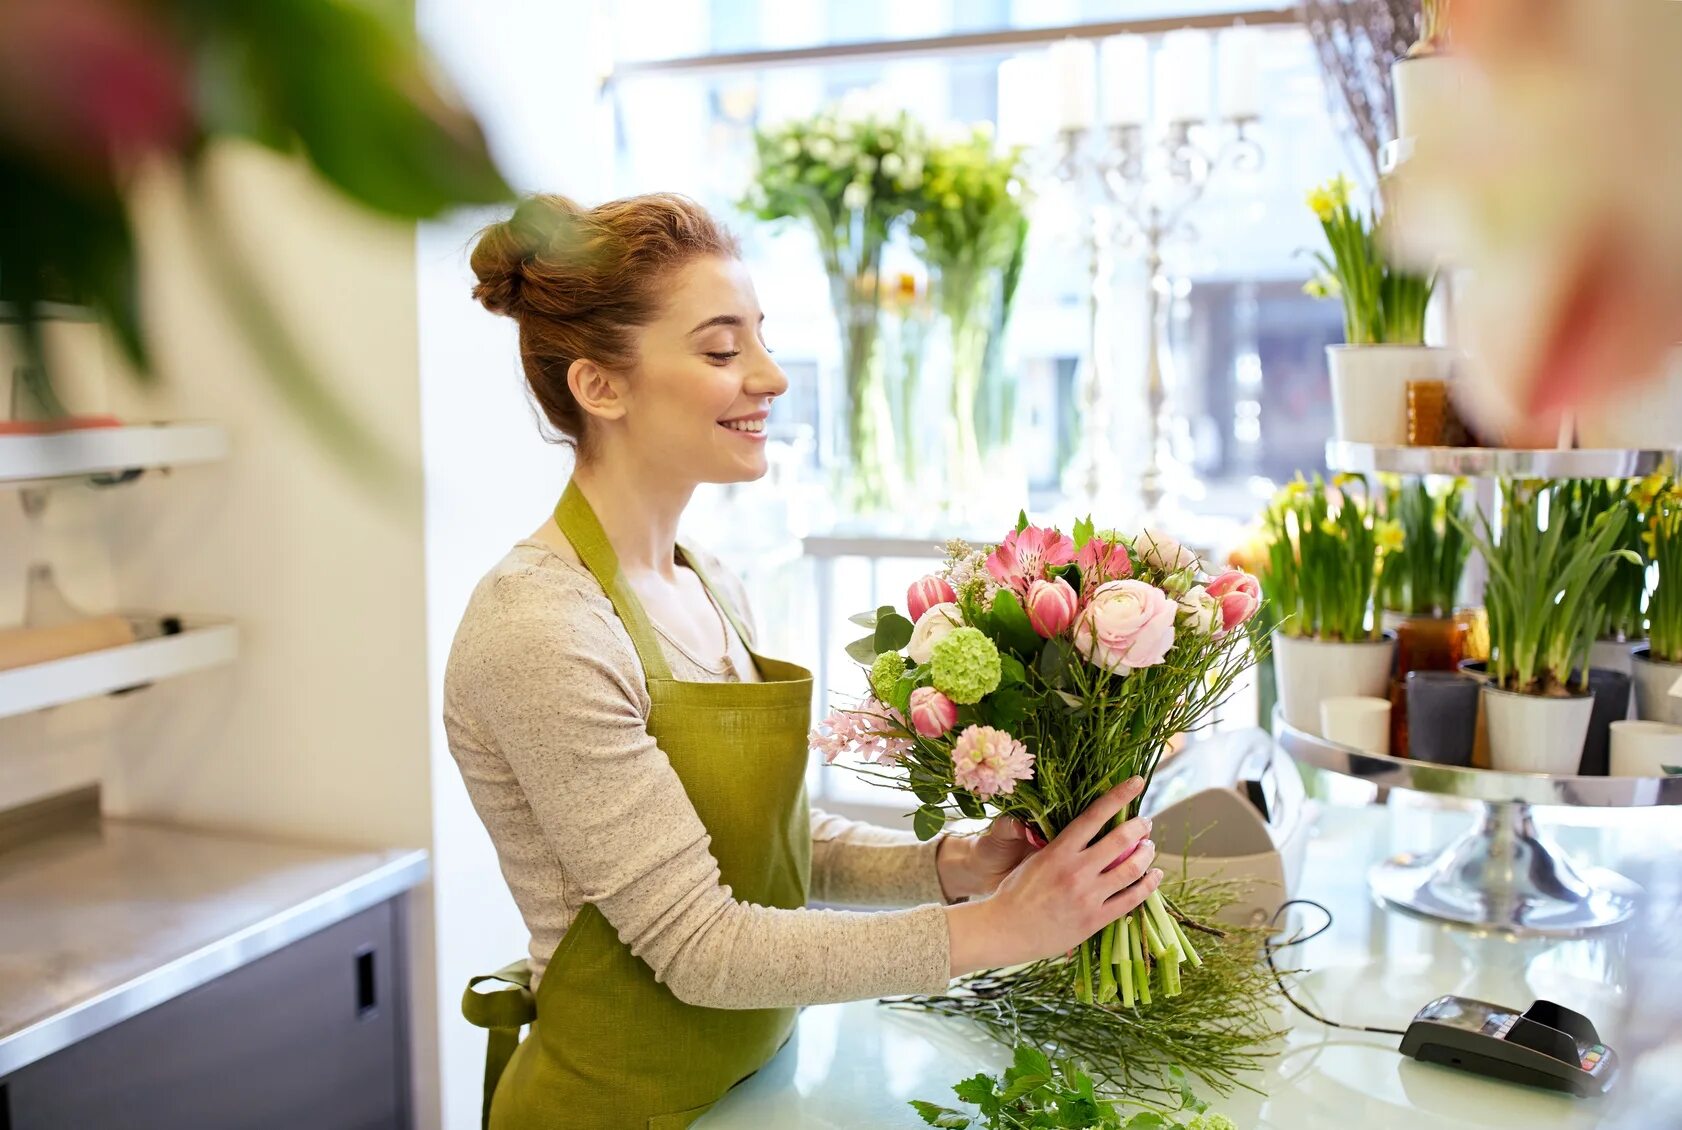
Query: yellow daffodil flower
(1389, 536)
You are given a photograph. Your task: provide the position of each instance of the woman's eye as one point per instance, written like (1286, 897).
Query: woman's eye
(725, 358)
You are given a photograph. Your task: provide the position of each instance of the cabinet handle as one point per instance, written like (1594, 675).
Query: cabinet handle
(366, 1002)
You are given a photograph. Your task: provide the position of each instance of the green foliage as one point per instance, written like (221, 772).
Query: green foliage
(1324, 549)
(1582, 500)
(1382, 304)
(1213, 1035)
(1422, 578)
(1545, 592)
(1663, 543)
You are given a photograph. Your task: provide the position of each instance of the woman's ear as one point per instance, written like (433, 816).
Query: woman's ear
(598, 392)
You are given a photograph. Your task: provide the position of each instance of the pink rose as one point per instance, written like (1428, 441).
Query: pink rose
(1051, 606)
(1024, 557)
(1102, 560)
(924, 594)
(1240, 596)
(1126, 624)
(932, 713)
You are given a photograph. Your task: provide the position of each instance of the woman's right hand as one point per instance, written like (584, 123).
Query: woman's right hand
(1063, 894)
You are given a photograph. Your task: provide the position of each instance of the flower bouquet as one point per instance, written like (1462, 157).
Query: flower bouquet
(1030, 678)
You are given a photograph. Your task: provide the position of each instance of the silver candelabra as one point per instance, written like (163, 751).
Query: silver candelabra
(1140, 191)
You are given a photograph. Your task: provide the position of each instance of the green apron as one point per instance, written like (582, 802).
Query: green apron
(610, 1047)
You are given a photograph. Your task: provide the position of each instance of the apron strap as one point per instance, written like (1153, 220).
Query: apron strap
(578, 522)
(693, 560)
(504, 1013)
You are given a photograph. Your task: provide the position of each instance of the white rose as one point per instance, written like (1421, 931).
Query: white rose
(822, 149)
(856, 195)
(791, 147)
(1200, 612)
(1162, 552)
(935, 625)
(892, 164)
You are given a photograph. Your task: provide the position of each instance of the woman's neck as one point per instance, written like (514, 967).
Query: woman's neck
(638, 513)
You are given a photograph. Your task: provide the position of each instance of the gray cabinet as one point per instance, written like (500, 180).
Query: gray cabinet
(313, 1035)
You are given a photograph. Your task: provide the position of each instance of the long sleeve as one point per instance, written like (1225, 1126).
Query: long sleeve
(859, 864)
(549, 711)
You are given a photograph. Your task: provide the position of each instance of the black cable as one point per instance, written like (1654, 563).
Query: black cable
(1279, 979)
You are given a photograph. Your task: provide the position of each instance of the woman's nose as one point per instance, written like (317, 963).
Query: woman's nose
(767, 378)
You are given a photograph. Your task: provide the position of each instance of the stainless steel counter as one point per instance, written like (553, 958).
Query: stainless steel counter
(102, 921)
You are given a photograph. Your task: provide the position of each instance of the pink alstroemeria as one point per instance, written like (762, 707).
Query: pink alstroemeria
(1024, 556)
(927, 592)
(1240, 596)
(1051, 606)
(1102, 560)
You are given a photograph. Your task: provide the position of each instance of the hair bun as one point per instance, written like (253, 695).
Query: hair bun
(504, 249)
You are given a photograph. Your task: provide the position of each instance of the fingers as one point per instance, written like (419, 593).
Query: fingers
(1130, 898)
(1117, 842)
(1083, 829)
(1130, 870)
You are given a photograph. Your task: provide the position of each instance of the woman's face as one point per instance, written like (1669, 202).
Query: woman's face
(698, 402)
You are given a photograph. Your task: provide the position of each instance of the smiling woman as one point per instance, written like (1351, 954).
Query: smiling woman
(640, 768)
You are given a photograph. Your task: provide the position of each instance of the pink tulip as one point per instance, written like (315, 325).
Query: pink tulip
(924, 594)
(1239, 594)
(932, 713)
(1102, 560)
(1051, 606)
(1126, 624)
(1024, 556)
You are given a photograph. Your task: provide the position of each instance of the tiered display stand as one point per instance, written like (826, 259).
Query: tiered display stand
(1502, 875)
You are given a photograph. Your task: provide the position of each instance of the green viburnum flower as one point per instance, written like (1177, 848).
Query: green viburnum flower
(1211, 1122)
(885, 672)
(965, 666)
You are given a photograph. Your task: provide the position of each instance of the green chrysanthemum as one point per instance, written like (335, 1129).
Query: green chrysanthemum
(965, 666)
(885, 672)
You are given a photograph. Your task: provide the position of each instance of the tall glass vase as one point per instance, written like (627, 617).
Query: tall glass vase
(918, 468)
(863, 470)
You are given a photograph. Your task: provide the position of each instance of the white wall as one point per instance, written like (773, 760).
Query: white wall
(527, 68)
(319, 731)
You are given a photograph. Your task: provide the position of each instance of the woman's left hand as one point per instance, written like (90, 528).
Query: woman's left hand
(973, 866)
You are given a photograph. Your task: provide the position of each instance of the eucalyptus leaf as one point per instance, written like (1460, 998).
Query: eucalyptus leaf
(893, 632)
(969, 806)
(863, 619)
(928, 822)
(863, 650)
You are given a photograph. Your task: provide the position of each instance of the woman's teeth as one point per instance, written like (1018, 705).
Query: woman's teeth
(744, 425)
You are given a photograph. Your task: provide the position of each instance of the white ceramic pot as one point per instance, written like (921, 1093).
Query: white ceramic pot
(1531, 733)
(1653, 681)
(1370, 387)
(1645, 749)
(1645, 416)
(1424, 86)
(1310, 671)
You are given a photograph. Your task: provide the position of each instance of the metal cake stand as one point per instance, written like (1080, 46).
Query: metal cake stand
(1502, 875)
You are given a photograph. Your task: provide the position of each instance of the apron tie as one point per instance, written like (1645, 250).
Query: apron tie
(504, 1013)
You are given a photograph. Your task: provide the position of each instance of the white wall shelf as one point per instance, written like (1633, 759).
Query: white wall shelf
(203, 644)
(26, 459)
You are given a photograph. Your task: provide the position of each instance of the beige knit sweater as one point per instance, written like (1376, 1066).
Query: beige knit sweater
(545, 710)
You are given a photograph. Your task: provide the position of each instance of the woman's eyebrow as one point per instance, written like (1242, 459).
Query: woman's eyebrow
(722, 320)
